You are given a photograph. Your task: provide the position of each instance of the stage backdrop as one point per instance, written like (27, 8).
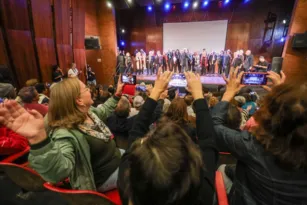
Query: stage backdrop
(195, 35)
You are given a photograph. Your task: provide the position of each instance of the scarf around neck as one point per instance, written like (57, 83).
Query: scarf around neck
(104, 133)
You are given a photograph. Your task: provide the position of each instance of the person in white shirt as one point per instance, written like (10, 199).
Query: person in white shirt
(73, 71)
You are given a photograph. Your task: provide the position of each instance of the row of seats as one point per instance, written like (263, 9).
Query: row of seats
(29, 180)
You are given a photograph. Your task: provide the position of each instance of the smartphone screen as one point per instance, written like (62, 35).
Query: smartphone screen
(131, 79)
(141, 88)
(254, 79)
(178, 80)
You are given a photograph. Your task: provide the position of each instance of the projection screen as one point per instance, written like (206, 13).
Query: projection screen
(195, 36)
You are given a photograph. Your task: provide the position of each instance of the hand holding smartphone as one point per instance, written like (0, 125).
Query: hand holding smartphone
(129, 79)
(254, 78)
(178, 80)
(141, 88)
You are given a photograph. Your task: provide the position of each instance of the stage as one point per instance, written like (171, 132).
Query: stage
(211, 81)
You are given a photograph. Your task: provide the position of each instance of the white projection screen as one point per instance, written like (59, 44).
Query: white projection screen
(195, 36)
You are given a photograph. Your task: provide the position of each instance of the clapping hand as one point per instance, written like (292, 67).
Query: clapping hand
(28, 124)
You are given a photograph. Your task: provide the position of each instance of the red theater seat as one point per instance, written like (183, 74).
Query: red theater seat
(15, 156)
(23, 176)
(220, 189)
(81, 197)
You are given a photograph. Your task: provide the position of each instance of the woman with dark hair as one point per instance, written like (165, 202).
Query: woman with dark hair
(272, 161)
(178, 113)
(57, 74)
(234, 117)
(164, 166)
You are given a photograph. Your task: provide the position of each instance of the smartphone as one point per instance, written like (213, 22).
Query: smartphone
(254, 79)
(178, 80)
(141, 88)
(130, 80)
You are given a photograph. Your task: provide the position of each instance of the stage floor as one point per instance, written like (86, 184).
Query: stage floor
(209, 79)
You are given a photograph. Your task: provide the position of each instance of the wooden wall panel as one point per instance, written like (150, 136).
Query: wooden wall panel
(92, 57)
(3, 54)
(237, 36)
(21, 46)
(42, 18)
(65, 57)
(80, 60)
(91, 21)
(46, 56)
(15, 14)
(295, 62)
(92, 29)
(62, 21)
(78, 21)
(154, 38)
(107, 28)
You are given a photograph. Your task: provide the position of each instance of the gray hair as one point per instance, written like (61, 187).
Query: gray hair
(27, 94)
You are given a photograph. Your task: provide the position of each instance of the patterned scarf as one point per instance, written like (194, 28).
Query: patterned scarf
(104, 132)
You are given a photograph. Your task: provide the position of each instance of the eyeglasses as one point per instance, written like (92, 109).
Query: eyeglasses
(85, 89)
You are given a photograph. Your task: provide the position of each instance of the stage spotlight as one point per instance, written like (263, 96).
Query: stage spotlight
(123, 31)
(284, 21)
(159, 1)
(186, 4)
(282, 39)
(149, 8)
(195, 5)
(109, 4)
(205, 3)
(246, 1)
(167, 6)
(227, 1)
(129, 1)
(122, 43)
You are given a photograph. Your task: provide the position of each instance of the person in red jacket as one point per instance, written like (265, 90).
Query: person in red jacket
(11, 142)
(30, 98)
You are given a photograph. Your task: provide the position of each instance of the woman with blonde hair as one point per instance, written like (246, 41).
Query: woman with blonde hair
(78, 146)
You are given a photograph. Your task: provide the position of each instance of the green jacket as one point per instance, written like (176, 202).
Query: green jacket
(66, 153)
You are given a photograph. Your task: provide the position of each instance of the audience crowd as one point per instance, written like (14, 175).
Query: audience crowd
(158, 148)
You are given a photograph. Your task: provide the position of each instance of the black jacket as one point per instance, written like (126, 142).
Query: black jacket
(259, 179)
(120, 126)
(206, 139)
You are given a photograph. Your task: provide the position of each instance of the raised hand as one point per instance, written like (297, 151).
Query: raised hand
(276, 79)
(194, 85)
(28, 124)
(120, 85)
(161, 83)
(233, 84)
(164, 95)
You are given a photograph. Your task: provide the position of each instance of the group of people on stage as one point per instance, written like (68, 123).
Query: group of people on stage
(184, 60)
